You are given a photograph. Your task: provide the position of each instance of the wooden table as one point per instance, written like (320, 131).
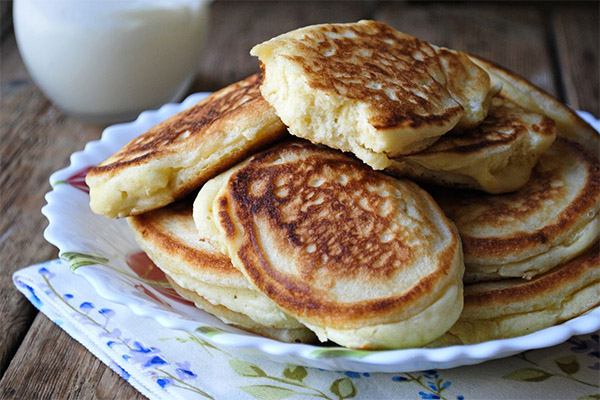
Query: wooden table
(553, 45)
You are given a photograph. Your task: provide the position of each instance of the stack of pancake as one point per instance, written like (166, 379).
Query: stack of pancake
(252, 209)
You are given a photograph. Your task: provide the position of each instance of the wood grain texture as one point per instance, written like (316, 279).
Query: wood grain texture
(578, 44)
(237, 26)
(513, 37)
(5, 18)
(36, 140)
(51, 365)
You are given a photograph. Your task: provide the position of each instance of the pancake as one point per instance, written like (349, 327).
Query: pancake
(551, 220)
(368, 89)
(169, 238)
(360, 258)
(515, 307)
(298, 335)
(530, 97)
(496, 156)
(178, 155)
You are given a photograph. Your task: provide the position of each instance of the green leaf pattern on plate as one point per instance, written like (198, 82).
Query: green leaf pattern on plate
(81, 259)
(268, 392)
(210, 331)
(78, 259)
(528, 375)
(567, 366)
(343, 388)
(334, 352)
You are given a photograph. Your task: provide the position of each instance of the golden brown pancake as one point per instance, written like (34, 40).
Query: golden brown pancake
(169, 237)
(530, 97)
(515, 307)
(551, 220)
(178, 155)
(362, 259)
(297, 335)
(369, 89)
(497, 156)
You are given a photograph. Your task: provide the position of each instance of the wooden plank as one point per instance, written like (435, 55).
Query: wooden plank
(512, 36)
(51, 365)
(237, 26)
(578, 44)
(36, 139)
(5, 18)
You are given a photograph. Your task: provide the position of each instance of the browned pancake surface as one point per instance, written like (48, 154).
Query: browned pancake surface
(531, 97)
(349, 59)
(178, 155)
(158, 228)
(516, 290)
(503, 125)
(199, 121)
(554, 201)
(336, 223)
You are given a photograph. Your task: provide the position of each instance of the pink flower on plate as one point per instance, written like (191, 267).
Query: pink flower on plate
(77, 180)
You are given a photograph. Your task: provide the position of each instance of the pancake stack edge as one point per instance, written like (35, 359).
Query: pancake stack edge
(299, 241)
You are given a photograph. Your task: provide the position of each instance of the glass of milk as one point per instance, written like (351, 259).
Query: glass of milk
(106, 61)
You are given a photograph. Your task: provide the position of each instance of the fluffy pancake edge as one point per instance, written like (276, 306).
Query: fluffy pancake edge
(230, 317)
(517, 307)
(179, 154)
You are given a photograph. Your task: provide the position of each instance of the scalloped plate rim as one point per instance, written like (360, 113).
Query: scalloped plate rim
(310, 355)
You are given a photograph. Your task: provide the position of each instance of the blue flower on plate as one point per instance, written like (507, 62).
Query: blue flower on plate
(86, 307)
(107, 312)
(44, 271)
(32, 296)
(139, 348)
(184, 371)
(119, 370)
(154, 362)
(146, 356)
(399, 378)
(431, 374)
(164, 382)
(115, 333)
(428, 396)
(589, 346)
(355, 375)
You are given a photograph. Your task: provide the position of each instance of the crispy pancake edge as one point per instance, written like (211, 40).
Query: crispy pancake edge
(553, 279)
(297, 298)
(529, 96)
(521, 242)
(545, 128)
(207, 122)
(244, 322)
(145, 225)
(203, 119)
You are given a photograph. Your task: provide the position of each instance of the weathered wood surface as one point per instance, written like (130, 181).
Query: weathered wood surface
(36, 140)
(510, 36)
(237, 26)
(556, 47)
(576, 30)
(51, 365)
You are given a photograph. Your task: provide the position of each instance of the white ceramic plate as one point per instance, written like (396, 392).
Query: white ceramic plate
(104, 251)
